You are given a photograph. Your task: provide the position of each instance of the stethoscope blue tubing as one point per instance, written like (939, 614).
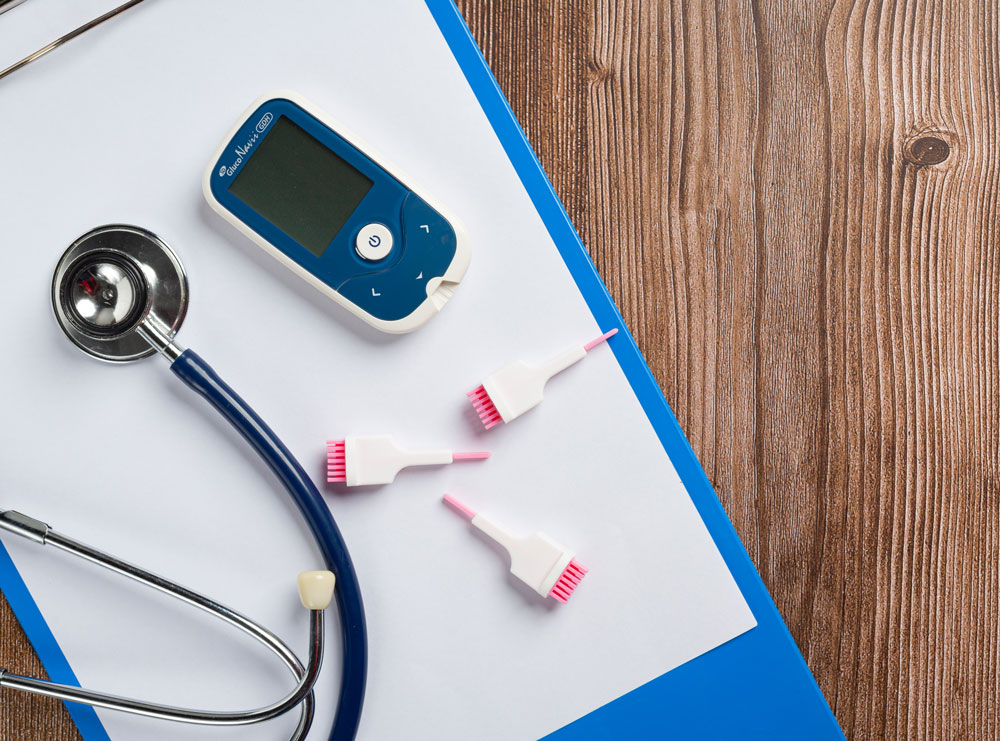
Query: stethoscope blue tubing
(200, 377)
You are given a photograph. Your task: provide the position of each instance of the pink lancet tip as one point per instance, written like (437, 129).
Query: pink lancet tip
(459, 507)
(603, 338)
(568, 581)
(480, 456)
(485, 407)
(336, 462)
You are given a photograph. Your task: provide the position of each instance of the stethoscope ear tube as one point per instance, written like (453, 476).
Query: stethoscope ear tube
(315, 591)
(200, 377)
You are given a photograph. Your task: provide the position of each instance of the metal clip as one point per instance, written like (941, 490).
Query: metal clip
(8, 4)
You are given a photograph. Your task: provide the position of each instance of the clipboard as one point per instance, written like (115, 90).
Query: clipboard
(756, 685)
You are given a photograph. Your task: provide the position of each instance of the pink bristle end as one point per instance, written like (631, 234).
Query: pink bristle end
(603, 338)
(336, 462)
(562, 590)
(459, 507)
(485, 407)
(480, 456)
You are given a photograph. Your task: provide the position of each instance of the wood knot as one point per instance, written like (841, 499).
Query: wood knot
(927, 149)
(598, 71)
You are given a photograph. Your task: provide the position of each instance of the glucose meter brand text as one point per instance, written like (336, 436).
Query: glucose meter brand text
(243, 150)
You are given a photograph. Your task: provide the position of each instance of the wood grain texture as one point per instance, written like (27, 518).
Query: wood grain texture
(794, 205)
(26, 717)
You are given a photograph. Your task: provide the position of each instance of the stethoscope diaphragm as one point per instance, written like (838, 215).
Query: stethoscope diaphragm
(108, 282)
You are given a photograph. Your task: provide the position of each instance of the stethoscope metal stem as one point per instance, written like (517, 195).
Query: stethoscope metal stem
(42, 534)
(158, 336)
(63, 39)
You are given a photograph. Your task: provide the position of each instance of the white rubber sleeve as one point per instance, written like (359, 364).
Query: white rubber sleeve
(520, 387)
(376, 459)
(536, 559)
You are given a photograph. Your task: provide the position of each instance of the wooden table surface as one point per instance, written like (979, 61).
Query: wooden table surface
(795, 206)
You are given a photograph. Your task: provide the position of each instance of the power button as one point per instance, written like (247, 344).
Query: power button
(374, 242)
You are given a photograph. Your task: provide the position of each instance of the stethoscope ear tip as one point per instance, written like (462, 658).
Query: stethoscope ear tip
(316, 589)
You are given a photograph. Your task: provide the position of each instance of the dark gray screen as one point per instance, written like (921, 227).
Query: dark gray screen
(300, 186)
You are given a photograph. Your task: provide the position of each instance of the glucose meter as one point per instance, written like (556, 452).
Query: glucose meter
(308, 193)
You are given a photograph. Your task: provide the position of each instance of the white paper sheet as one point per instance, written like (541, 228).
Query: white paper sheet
(118, 127)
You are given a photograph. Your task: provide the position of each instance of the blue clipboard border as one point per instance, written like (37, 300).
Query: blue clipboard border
(756, 686)
(45, 645)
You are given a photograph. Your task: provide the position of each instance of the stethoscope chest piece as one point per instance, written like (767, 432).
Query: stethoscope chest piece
(108, 282)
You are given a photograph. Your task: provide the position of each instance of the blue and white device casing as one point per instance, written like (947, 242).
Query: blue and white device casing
(395, 293)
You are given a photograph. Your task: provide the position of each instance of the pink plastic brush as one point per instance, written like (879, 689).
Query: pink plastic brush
(376, 459)
(519, 387)
(538, 561)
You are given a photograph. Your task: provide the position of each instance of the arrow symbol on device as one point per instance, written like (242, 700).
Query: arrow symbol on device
(421, 275)
(426, 228)
(375, 294)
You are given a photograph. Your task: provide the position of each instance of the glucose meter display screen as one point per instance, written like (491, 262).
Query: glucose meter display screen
(300, 186)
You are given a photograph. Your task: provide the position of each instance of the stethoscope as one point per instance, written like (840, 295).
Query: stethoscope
(120, 294)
